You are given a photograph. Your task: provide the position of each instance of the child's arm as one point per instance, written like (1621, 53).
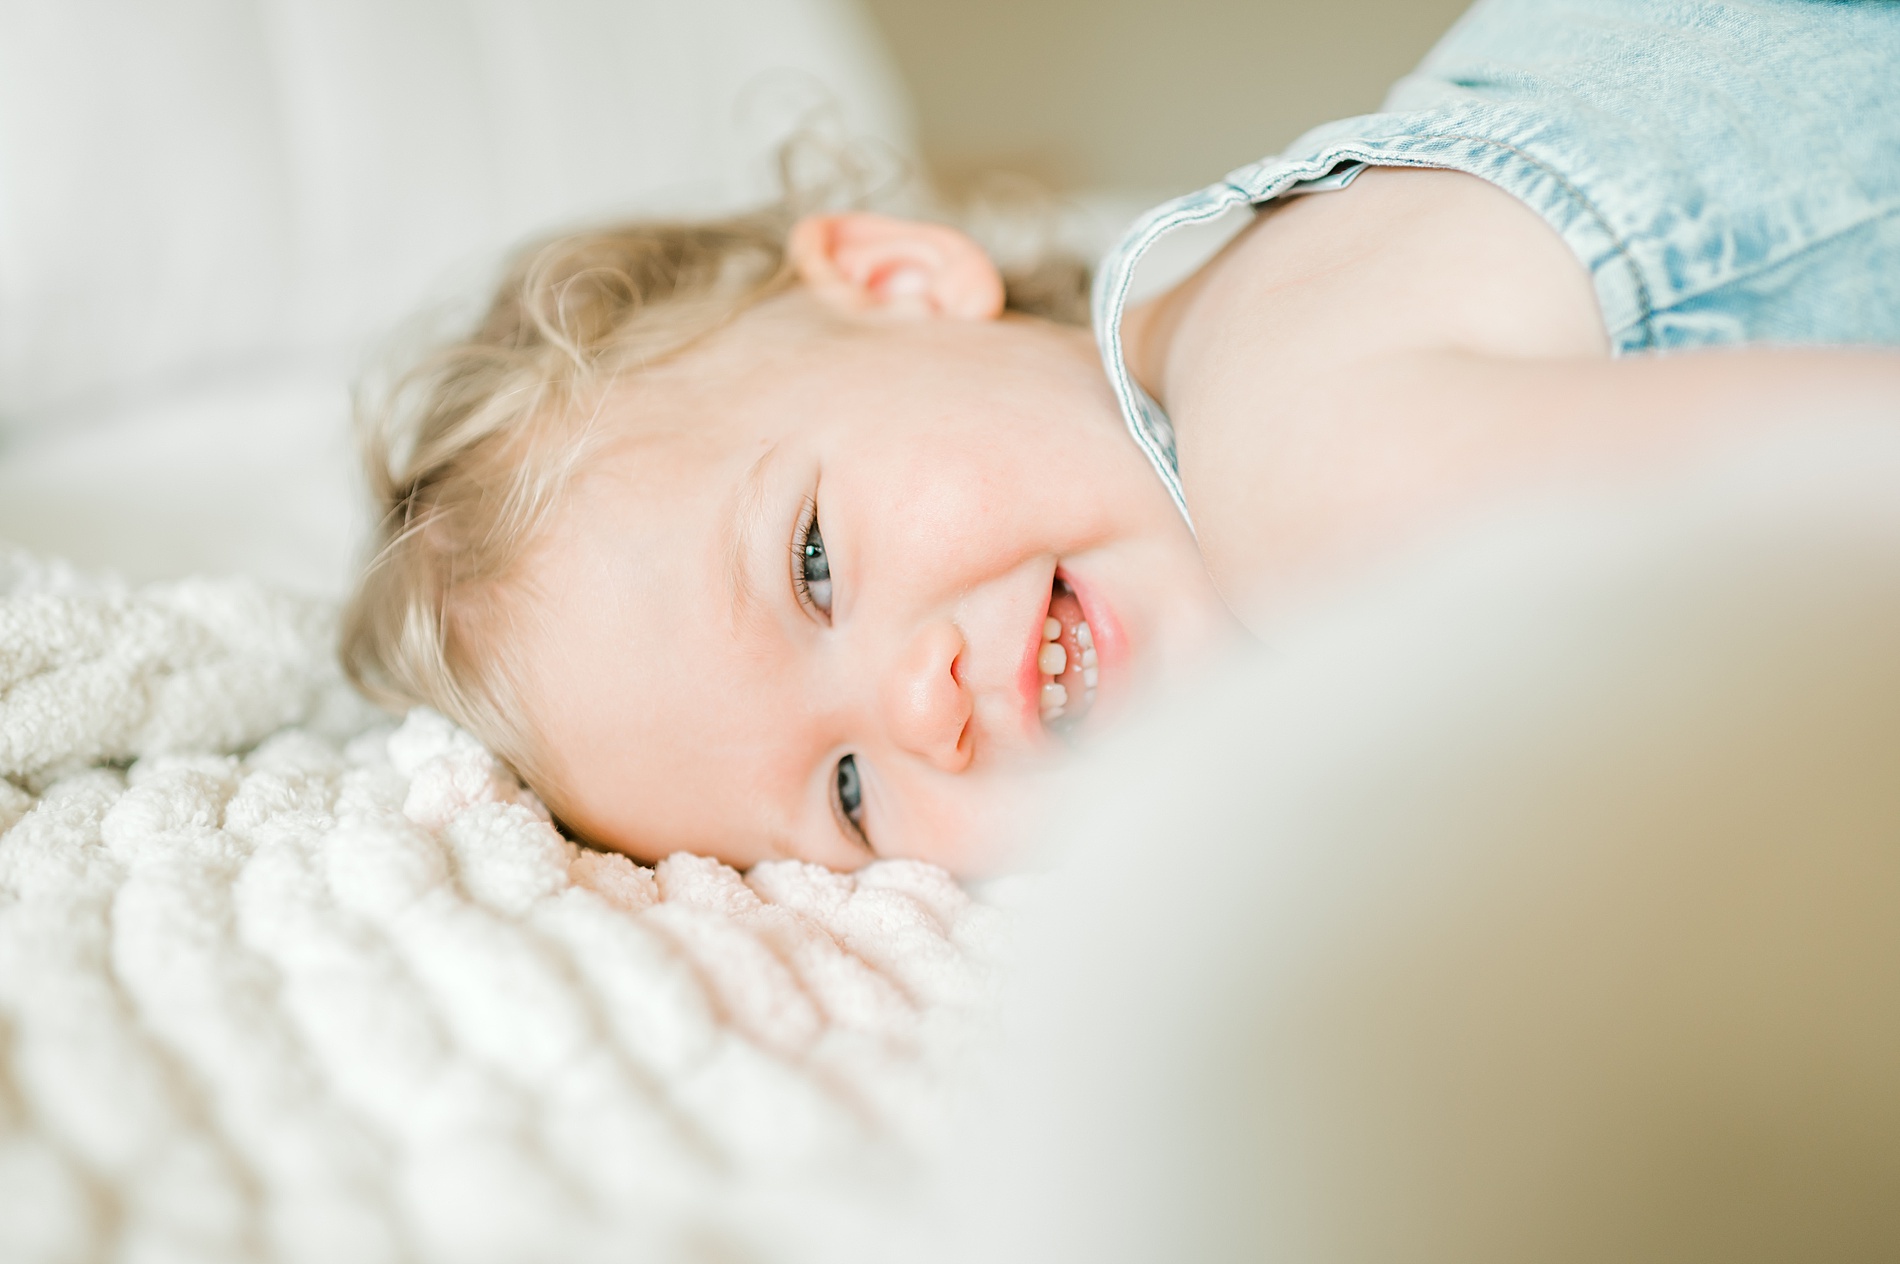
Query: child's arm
(1365, 366)
(1408, 442)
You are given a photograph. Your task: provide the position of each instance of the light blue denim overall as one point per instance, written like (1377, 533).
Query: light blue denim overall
(1728, 172)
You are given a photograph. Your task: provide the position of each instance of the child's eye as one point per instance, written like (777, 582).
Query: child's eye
(811, 569)
(851, 795)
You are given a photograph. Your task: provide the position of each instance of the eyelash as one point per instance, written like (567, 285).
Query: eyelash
(853, 823)
(802, 581)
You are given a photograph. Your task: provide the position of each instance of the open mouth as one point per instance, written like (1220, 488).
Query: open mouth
(1066, 660)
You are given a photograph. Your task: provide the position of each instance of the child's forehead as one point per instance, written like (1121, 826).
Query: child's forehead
(713, 416)
(663, 446)
(716, 380)
(668, 475)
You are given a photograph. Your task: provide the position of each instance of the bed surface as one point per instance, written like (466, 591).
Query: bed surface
(284, 979)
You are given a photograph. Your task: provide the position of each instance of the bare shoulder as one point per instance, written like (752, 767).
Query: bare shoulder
(1256, 355)
(1360, 366)
(1399, 260)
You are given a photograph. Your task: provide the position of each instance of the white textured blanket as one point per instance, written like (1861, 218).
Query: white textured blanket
(279, 980)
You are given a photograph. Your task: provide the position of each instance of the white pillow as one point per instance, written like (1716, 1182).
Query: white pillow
(187, 185)
(254, 474)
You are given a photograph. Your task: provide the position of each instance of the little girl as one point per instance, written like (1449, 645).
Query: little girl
(818, 537)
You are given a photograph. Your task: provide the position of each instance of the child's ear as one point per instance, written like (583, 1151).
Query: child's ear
(875, 264)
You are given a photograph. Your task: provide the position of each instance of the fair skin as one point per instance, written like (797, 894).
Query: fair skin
(959, 463)
(1360, 370)
(1354, 372)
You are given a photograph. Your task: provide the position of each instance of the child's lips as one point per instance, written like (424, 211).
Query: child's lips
(1029, 673)
(1070, 670)
(1111, 643)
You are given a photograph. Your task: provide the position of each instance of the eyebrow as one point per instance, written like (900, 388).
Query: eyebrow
(744, 520)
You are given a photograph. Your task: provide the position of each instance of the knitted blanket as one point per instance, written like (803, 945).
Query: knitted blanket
(281, 979)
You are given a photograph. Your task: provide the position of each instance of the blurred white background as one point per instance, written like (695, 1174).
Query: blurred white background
(216, 214)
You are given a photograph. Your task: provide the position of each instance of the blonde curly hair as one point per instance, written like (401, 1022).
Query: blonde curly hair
(470, 451)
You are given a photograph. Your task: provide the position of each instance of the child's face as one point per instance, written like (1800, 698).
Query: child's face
(709, 671)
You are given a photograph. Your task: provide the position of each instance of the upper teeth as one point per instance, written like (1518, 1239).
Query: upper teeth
(1053, 659)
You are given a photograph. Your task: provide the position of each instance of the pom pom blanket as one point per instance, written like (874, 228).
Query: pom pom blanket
(282, 980)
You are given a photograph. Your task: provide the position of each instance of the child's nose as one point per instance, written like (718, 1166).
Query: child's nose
(925, 705)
